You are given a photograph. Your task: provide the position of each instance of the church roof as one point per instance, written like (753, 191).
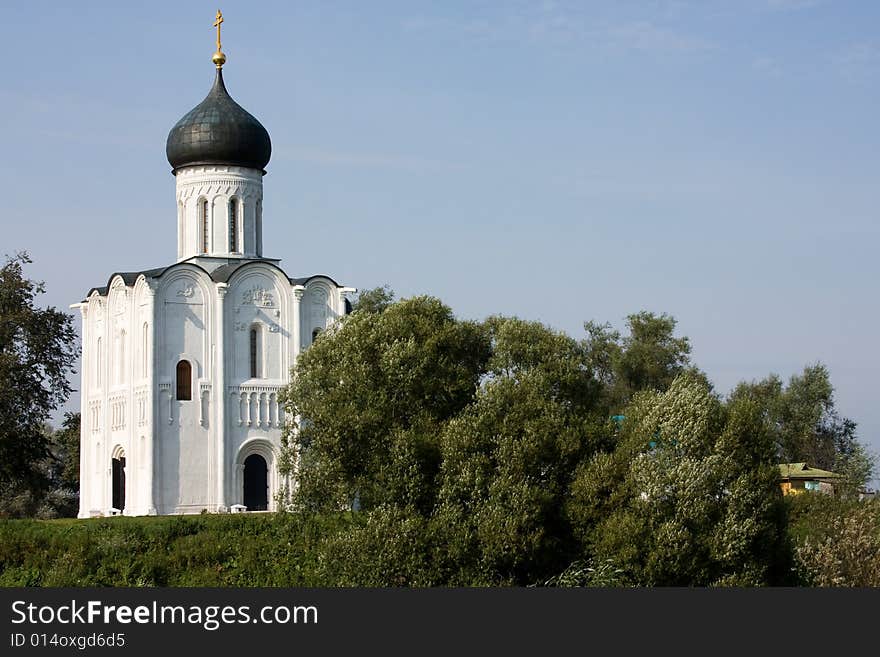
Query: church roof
(218, 131)
(128, 277)
(221, 274)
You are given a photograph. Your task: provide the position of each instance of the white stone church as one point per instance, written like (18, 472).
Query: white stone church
(182, 365)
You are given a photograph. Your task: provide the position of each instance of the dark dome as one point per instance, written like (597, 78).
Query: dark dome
(218, 131)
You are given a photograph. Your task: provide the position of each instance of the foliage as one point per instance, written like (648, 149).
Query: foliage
(205, 550)
(589, 573)
(689, 497)
(37, 351)
(389, 546)
(374, 392)
(648, 358)
(54, 487)
(506, 452)
(508, 459)
(65, 452)
(469, 432)
(806, 426)
(837, 541)
(374, 300)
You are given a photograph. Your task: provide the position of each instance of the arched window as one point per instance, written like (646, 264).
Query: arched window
(181, 228)
(315, 334)
(259, 228)
(121, 366)
(99, 364)
(233, 225)
(203, 224)
(255, 355)
(145, 350)
(184, 381)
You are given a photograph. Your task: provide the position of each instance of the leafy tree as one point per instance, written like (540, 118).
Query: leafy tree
(508, 458)
(371, 397)
(806, 426)
(837, 541)
(54, 485)
(689, 497)
(62, 470)
(37, 351)
(648, 358)
(387, 546)
(374, 300)
(486, 454)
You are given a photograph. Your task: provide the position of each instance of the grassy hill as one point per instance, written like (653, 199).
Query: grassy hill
(204, 550)
(833, 542)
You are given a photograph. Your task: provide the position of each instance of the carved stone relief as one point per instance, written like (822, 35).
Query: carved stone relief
(187, 291)
(257, 296)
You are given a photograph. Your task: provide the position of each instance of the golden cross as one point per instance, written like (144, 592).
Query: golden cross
(217, 22)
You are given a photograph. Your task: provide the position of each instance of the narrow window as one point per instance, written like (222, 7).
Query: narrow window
(145, 348)
(255, 353)
(99, 365)
(259, 228)
(233, 225)
(121, 368)
(184, 381)
(181, 228)
(315, 334)
(203, 223)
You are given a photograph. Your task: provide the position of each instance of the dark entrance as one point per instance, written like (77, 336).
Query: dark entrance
(119, 483)
(256, 483)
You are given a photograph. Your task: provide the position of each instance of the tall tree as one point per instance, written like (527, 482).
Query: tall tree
(53, 490)
(689, 497)
(806, 426)
(649, 357)
(371, 396)
(509, 458)
(374, 300)
(37, 351)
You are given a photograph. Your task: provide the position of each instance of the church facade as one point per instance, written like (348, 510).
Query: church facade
(182, 365)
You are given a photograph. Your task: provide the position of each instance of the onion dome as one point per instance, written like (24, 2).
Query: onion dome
(218, 131)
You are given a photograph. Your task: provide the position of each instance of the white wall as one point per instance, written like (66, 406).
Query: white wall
(188, 456)
(218, 184)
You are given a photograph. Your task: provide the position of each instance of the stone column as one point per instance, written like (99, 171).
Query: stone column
(298, 292)
(343, 293)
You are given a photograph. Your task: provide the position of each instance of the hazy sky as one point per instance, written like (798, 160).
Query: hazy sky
(716, 160)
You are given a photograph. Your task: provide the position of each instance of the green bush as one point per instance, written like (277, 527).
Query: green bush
(206, 550)
(836, 541)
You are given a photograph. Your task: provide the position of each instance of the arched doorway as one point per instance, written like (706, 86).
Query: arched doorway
(119, 481)
(256, 483)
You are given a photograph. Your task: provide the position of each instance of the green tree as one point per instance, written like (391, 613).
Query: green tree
(508, 458)
(374, 300)
(806, 426)
(371, 397)
(37, 351)
(62, 469)
(837, 541)
(689, 496)
(53, 488)
(649, 357)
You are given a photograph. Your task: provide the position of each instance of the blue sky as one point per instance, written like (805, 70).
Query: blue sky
(560, 161)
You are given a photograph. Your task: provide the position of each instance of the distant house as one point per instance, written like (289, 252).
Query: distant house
(796, 478)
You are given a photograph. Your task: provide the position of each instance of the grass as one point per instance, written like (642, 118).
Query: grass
(205, 550)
